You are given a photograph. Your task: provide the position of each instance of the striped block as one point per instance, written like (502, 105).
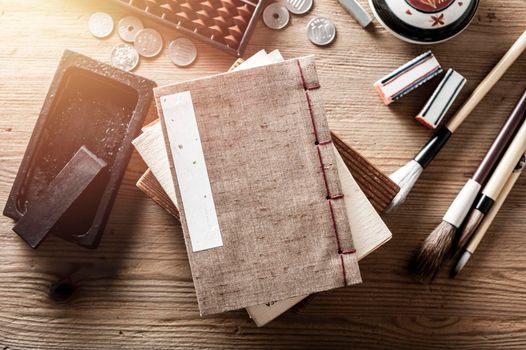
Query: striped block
(436, 108)
(408, 77)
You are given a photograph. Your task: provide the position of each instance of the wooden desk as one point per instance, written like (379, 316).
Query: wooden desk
(135, 291)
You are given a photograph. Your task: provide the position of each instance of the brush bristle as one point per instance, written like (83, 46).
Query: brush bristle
(462, 261)
(405, 178)
(472, 223)
(434, 252)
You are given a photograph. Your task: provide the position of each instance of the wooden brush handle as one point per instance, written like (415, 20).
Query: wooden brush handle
(507, 164)
(485, 86)
(490, 216)
(501, 142)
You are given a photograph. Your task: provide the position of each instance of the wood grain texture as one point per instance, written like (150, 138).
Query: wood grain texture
(153, 189)
(135, 290)
(377, 186)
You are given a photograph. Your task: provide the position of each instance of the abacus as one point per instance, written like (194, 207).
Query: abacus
(225, 24)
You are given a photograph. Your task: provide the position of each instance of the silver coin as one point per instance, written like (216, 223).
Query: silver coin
(298, 7)
(321, 31)
(276, 16)
(100, 25)
(125, 57)
(182, 52)
(129, 27)
(148, 42)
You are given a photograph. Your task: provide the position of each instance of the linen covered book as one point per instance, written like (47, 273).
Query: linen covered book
(256, 183)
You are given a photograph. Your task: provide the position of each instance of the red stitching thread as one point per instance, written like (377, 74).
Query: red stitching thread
(307, 86)
(301, 72)
(343, 271)
(334, 225)
(311, 115)
(323, 173)
(309, 104)
(312, 86)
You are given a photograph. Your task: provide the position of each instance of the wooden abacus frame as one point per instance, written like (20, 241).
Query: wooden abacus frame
(143, 10)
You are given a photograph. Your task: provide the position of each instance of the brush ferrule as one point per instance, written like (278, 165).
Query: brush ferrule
(458, 210)
(484, 204)
(433, 147)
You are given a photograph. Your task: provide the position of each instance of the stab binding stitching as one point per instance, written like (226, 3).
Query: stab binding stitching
(313, 86)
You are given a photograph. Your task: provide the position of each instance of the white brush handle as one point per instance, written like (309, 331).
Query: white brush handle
(458, 210)
(488, 219)
(508, 162)
(487, 84)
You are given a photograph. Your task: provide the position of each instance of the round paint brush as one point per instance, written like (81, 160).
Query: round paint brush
(408, 175)
(437, 245)
(480, 232)
(495, 184)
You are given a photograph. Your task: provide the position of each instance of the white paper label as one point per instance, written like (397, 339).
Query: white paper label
(192, 175)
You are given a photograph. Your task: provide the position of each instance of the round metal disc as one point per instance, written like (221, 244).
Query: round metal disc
(148, 42)
(276, 16)
(298, 7)
(182, 52)
(425, 22)
(125, 57)
(129, 27)
(321, 31)
(100, 25)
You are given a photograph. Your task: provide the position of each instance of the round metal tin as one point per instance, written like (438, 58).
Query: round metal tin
(424, 21)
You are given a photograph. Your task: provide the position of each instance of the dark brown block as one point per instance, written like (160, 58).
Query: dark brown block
(58, 197)
(153, 189)
(88, 103)
(378, 188)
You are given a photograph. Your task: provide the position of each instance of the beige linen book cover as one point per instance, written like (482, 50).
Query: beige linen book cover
(368, 229)
(258, 148)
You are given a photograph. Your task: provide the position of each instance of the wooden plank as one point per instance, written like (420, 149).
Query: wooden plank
(135, 290)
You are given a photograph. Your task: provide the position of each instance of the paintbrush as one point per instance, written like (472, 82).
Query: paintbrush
(495, 184)
(480, 232)
(437, 245)
(408, 175)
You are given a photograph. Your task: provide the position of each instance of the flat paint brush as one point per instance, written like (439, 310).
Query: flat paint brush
(480, 232)
(495, 184)
(437, 245)
(408, 175)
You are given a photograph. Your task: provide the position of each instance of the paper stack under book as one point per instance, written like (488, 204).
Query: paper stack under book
(266, 204)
